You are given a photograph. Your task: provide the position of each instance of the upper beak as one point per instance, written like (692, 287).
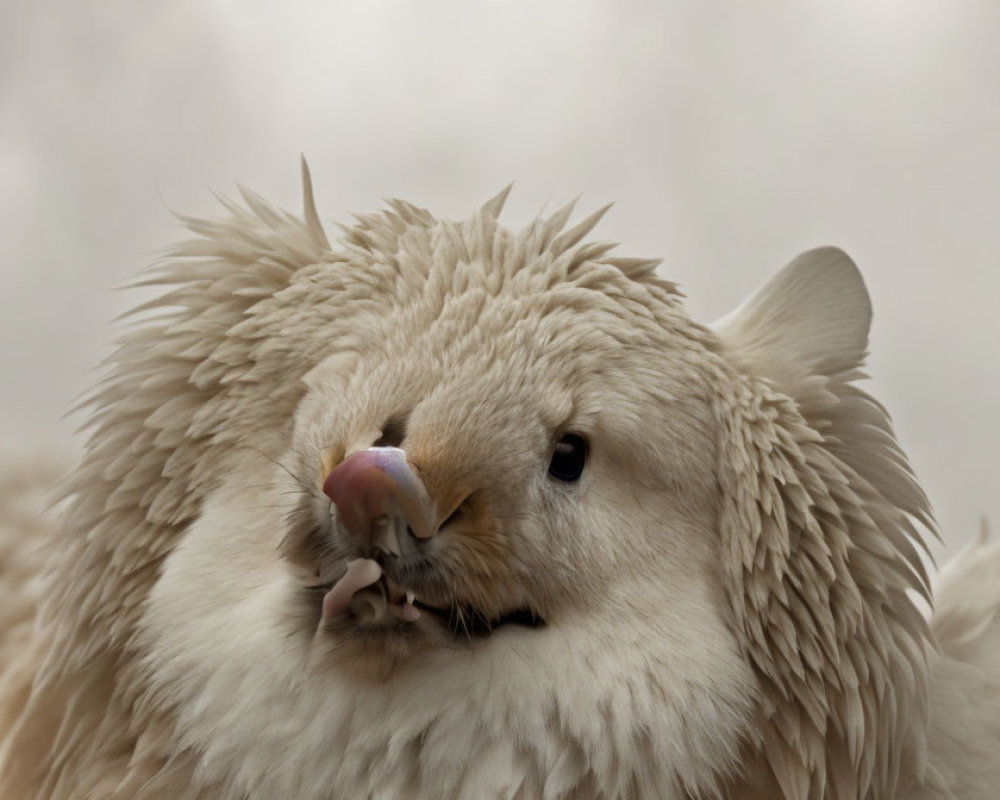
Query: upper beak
(381, 501)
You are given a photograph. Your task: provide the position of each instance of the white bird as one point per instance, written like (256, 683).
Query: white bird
(448, 510)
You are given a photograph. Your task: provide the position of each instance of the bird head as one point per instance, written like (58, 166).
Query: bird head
(503, 458)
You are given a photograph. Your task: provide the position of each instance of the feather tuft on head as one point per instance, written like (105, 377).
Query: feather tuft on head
(309, 209)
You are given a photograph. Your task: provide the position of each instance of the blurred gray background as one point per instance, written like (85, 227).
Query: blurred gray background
(732, 135)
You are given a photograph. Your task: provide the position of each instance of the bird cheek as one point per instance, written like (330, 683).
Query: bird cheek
(477, 541)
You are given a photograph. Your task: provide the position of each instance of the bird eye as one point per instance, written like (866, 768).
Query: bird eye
(568, 458)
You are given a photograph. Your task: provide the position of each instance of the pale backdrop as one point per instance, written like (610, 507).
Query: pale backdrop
(732, 135)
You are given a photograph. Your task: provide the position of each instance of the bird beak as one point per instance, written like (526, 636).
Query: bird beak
(380, 500)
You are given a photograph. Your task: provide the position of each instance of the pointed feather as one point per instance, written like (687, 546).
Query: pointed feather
(309, 209)
(495, 204)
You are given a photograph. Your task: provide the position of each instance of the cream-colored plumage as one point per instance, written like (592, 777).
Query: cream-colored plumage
(727, 589)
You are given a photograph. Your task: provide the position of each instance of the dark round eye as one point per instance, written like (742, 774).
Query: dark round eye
(568, 458)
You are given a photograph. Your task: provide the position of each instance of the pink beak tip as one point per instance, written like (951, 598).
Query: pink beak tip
(381, 472)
